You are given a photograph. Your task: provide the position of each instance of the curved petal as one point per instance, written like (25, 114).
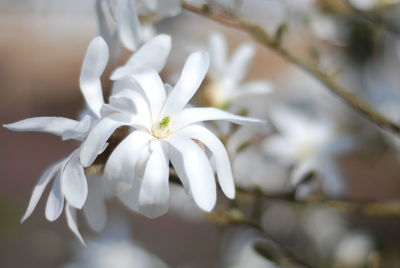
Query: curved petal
(102, 22)
(55, 202)
(119, 169)
(95, 208)
(239, 64)
(218, 150)
(130, 198)
(73, 180)
(217, 49)
(128, 24)
(153, 88)
(96, 141)
(198, 171)
(194, 115)
(192, 76)
(80, 131)
(154, 193)
(93, 66)
(153, 54)
(70, 213)
(53, 125)
(37, 192)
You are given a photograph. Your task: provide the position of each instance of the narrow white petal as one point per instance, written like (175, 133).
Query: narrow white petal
(128, 24)
(239, 65)
(53, 125)
(154, 193)
(70, 213)
(96, 141)
(102, 21)
(153, 54)
(192, 76)
(79, 132)
(168, 8)
(218, 150)
(217, 49)
(253, 88)
(95, 208)
(37, 192)
(130, 198)
(194, 115)
(55, 201)
(300, 171)
(119, 169)
(74, 183)
(93, 66)
(198, 171)
(153, 88)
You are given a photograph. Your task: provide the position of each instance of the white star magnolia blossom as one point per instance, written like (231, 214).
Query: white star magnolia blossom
(70, 180)
(309, 145)
(163, 130)
(125, 15)
(226, 75)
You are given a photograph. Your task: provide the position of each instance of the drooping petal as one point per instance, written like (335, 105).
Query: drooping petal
(95, 208)
(238, 67)
(128, 24)
(153, 89)
(194, 115)
(55, 201)
(37, 192)
(93, 66)
(217, 49)
(198, 171)
(70, 213)
(53, 125)
(119, 169)
(300, 172)
(192, 76)
(218, 150)
(130, 198)
(153, 54)
(96, 141)
(154, 193)
(73, 181)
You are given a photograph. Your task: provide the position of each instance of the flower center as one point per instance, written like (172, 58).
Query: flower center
(162, 129)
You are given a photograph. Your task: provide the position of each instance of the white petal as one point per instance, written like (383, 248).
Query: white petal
(70, 213)
(93, 66)
(300, 171)
(192, 76)
(130, 198)
(198, 171)
(153, 54)
(53, 125)
(74, 182)
(194, 115)
(102, 21)
(218, 150)
(128, 24)
(37, 192)
(119, 169)
(153, 88)
(334, 185)
(95, 208)
(80, 131)
(253, 88)
(55, 202)
(154, 193)
(96, 141)
(239, 65)
(217, 49)
(168, 8)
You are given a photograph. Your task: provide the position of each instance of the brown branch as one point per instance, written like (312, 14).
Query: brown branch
(264, 38)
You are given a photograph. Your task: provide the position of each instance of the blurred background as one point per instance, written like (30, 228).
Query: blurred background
(42, 45)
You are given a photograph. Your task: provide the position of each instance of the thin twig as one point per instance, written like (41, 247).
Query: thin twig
(263, 37)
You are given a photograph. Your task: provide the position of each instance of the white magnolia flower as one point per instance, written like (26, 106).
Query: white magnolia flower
(164, 130)
(310, 146)
(120, 19)
(224, 81)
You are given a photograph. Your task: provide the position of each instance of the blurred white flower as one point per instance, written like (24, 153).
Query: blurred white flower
(114, 249)
(223, 85)
(163, 130)
(120, 19)
(309, 145)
